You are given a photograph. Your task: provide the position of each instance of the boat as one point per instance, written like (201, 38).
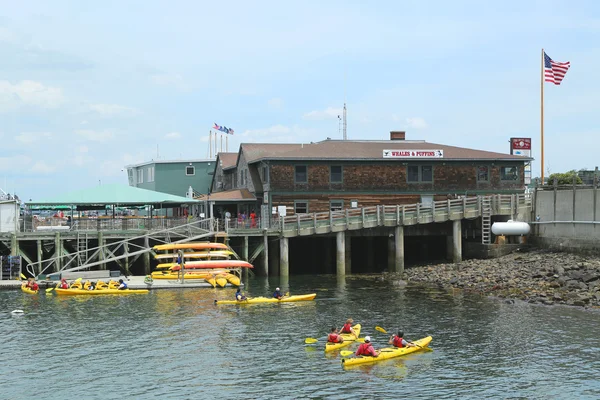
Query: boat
(191, 246)
(187, 274)
(259, 300)
(98, 292)
(221, 280)
(386, 353)
(211, 264)
(348, 339)
(27, 290)
(200, 254)
(211, 280)
(233, 279)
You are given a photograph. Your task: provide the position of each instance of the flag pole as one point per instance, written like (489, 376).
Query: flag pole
(227, 143)
(542, 119)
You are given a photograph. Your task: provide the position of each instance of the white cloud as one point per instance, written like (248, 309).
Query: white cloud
(31, 137)
(328, 113)
(40, 167)
(14, 163)
(417, 123)
(83, 149)
(113, 109)
(275, 103)
(95, 136)
(173, 135)
(28, 93)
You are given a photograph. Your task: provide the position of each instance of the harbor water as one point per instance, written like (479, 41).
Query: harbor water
(176, 344)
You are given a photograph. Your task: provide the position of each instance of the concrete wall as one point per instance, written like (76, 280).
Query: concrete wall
(568, 220)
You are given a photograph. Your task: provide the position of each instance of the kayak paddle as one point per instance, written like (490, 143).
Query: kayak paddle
(380, 329)
(23, 276)
(346, 353)
(52, 288)
(310, 340)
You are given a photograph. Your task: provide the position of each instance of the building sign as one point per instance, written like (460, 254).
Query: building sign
(519, 144)
(413, 153)
(522, 147)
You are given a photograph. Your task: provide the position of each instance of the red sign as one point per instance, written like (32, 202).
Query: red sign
(520, 143)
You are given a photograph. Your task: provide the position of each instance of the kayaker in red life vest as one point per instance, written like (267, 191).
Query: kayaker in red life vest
(32, 284)
(347, 328)
(366, 349)
(63, 284)
(399, 341)
(334, 337)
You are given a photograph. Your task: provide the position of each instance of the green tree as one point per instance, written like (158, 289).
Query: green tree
(565, 178)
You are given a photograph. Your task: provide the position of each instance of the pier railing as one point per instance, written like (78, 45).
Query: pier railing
(104, 224)
(387, 215)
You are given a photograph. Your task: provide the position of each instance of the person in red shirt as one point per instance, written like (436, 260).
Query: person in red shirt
(366, 349)
(334, 337)
(399, 341)
(63, 284)
(252, 219)
(347, 328)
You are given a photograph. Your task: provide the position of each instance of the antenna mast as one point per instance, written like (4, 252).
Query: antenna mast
(344, 124)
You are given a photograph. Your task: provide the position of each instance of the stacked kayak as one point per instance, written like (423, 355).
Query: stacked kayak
(387, 353)
(27, 290)
(348, 339)
(212, 263)
(259, 300)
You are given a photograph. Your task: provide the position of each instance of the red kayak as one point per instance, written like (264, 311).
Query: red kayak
(225, 264)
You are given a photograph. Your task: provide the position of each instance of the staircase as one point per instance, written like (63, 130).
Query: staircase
(486, 219)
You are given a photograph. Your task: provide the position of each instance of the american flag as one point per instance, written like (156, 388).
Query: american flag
(554, 71)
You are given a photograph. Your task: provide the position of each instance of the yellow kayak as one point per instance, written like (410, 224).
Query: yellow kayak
(233, 279)
(258, 300)
(221, 280)
(387, 353)
(188, 275)
(27, 290)
(348, 339)
(211, 280)
(72, 292)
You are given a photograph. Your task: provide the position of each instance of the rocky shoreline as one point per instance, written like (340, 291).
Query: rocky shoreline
(534, 276)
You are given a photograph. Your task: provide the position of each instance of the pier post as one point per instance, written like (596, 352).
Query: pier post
(147, 254)
(245, 257)
(284, 257)
(340, 259)
(40, 255)
(57, 252)
(101, 245)
(126, 252)
(399, 249)
(456, 241)
(14, 245)
(274, 260)
(348, 253)
(266, 253)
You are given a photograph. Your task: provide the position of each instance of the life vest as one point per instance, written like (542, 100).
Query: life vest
(35, 286)
(64, 285)
(277, 295)
(123, 287)
(365, 349)
(397, 342)
(334, 338)
(347, 328)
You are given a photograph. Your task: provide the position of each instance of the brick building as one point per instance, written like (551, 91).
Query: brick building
(337, 174)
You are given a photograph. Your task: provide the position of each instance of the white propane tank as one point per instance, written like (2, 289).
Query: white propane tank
(510, 228)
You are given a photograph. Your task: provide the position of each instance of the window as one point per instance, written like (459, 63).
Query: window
(483, 173)
(419, 173)
(336, 205)
(301, 175)
(301, 207)
(190, 170)
(150, 175)
(141, 175)
(509, 174)
(266, 174)
(130, 176)
(335, 175)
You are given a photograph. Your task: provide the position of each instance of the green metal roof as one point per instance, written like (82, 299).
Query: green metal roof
(114, 194)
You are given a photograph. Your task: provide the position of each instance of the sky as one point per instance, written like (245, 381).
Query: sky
(87, 88)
